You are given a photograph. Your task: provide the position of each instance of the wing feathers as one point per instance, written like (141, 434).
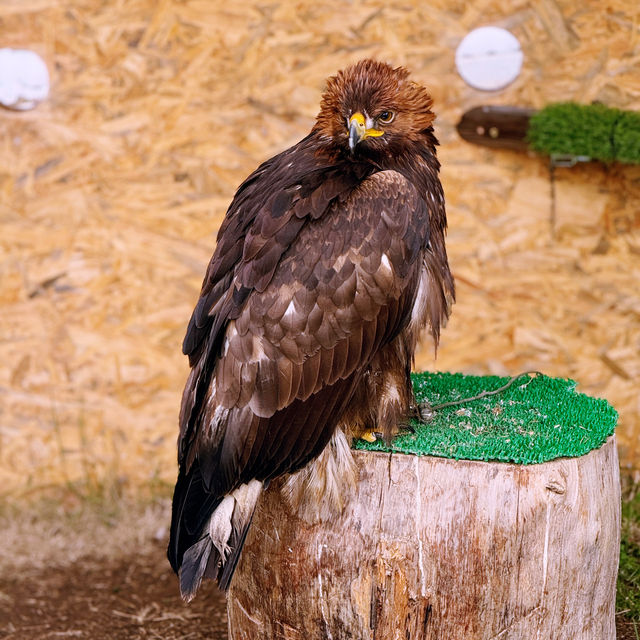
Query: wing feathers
(264, 399)
(286, 392)
(310, 371)
(355, 348)
(316, 280)
(299, 320)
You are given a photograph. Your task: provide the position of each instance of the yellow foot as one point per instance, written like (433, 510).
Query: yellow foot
(369, 436)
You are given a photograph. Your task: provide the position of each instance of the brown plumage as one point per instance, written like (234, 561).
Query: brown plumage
(329, 263)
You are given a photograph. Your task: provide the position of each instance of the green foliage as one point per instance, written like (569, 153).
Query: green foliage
(628, 597)
(596, 131)
(535, 420)
(627, 137)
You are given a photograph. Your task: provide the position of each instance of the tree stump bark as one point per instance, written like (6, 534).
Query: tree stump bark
(431, 548)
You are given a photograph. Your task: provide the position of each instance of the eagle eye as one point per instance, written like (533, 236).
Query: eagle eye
(385, 117)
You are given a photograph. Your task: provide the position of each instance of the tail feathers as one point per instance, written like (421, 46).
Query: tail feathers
(216, 554)
(194, 565)
(192, 508)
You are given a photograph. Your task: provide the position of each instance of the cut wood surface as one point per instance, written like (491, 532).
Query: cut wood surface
(431, 548)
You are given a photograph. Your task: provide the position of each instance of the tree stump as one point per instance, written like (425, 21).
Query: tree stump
(433, 548)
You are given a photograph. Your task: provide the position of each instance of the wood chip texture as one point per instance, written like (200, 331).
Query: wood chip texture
(112, 190)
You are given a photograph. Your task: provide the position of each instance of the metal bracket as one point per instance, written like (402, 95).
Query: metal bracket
(566, 160)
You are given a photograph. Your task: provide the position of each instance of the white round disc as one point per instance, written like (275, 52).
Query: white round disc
(24, 79)
(489, 58)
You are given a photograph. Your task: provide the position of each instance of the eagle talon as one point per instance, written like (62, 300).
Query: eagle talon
(406, 428)
(425, 412)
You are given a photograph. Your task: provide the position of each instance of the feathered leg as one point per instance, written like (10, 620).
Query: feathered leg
(319, 491)
(207, 532)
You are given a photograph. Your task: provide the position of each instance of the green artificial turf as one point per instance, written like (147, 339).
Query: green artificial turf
(536, 419)
(593, 130)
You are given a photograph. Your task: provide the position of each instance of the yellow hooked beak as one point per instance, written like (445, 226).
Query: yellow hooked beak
(358, 130)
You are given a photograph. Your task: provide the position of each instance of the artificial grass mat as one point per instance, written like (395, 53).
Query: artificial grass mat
(535, 420)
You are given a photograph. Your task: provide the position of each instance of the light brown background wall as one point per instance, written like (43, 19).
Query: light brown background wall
(111, 193)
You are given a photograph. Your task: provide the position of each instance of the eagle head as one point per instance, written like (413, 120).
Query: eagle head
(371, 109)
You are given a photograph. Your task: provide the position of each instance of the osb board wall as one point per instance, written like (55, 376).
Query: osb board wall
(112, 190)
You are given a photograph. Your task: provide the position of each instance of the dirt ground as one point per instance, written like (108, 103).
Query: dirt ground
(80, 570)
(102, 575)
(133, 597)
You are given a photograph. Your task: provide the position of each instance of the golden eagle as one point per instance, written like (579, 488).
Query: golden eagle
(329, 263)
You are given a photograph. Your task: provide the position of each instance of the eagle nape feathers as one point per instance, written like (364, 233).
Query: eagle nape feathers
(329, 264)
